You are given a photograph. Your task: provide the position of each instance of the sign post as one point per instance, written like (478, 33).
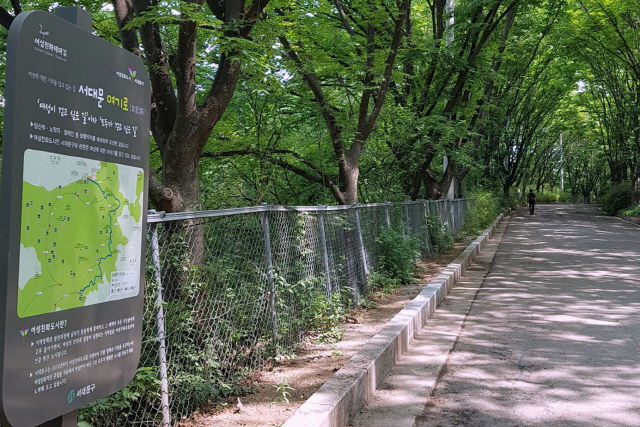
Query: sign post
(66, 420)
(73, 207)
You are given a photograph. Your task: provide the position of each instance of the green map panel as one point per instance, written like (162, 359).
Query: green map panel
(80, 234)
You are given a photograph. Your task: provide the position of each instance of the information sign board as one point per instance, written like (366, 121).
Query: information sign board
(73, 212)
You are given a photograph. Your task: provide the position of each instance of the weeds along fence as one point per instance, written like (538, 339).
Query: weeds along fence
(229, 290)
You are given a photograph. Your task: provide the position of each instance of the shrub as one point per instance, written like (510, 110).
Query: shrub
(303, 306)
(482, 213)
(616, 197)
(553, 197)
(632, 211)
(564, 197)
(511, 201)
(323, 317)
(396, 255)
(441, 240)
(120, 408)
(381, 285)
(547, 197)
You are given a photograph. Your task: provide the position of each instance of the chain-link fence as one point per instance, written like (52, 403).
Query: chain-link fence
(228, 290)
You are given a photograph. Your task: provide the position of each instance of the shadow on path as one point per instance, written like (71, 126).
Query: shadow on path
(553, 338)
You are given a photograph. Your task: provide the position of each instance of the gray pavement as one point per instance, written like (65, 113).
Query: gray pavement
(402, 396)
(553, 338)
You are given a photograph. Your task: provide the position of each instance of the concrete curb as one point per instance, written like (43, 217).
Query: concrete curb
(631, 219)
(345, 394)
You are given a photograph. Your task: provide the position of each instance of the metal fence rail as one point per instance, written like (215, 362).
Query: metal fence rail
(228, 290)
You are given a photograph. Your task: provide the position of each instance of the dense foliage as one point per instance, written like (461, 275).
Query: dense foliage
(484, 210)
(616, 198)
(344, 101)
(397, 255)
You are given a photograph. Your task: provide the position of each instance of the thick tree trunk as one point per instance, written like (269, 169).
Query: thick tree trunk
(349, 181)
(459, 180)
(349, 173)
(506, 187)
(635, 158)
(422, 177)
(181, 192)
(436, 189)
(447, 178)
(634, 182)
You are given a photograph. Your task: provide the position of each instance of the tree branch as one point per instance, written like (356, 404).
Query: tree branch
(6, 18)
(164, 98)
(184, 66)
(347, 26)
(335, 131)
(123, 10)
(322, 179)
(228, 72)
(17, 8)
(366, 126)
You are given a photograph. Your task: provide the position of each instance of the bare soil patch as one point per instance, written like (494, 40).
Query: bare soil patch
(314, 364)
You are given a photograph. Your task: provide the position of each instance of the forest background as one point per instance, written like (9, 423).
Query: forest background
(337, 102)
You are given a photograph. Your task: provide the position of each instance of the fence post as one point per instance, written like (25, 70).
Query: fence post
(386, 214)
(162, 351)
(325, 254)
(361, 241)
(270, 286)
(405, 210)
(427, 232)
(452, 215)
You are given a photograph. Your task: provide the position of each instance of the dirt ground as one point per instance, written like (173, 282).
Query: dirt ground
(314, 364)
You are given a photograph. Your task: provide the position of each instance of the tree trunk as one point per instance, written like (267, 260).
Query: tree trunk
(460, 176)
(186, 238)
(634, 183)
(506, 187)
(634, 158)
(349, 173)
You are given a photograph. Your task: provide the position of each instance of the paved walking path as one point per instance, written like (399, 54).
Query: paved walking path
(552, 337)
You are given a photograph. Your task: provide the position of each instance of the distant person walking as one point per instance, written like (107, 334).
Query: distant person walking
(531, 201)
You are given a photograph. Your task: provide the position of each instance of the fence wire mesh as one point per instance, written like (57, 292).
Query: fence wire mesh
(227, 291)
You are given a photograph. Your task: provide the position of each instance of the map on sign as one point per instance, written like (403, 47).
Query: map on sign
(80, 232)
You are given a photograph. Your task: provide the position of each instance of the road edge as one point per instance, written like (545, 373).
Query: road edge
(628, 219)
(346, 393)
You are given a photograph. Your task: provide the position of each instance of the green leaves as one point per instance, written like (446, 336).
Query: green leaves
(174, 12)
(607, 42)
(396, 255)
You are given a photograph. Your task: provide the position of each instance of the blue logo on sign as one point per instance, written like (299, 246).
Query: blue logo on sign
(71, 396)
